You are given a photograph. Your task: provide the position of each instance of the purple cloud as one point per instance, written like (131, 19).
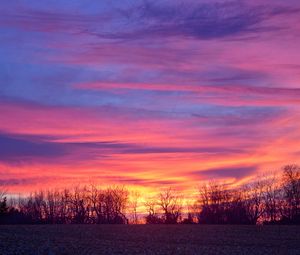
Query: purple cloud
(226, 172)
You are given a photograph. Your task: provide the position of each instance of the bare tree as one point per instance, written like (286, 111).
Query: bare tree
(273, 194)
(212, 201)
(96, 200)
(117, 198)
(171, 205)
(3, 203)
(221, 205)
(291, 189)
(254, 198)
(133, 204)
(151, 205)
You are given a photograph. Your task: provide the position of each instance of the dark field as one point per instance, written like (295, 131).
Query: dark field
(149, 239)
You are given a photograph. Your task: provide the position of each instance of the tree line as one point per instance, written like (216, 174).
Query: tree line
(78, 206)
(268, 200)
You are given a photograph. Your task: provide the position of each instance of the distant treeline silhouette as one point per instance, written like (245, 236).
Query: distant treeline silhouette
(268, 200)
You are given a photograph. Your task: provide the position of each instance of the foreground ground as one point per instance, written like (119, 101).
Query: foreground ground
(146, 239)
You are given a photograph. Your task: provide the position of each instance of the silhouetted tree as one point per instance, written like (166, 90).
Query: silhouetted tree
(254, 198)
(171, 205)
(3, 210)
(133, 204)
(213, 199)
(153, 216)
(291, 190)
(273, 195)
(218, 205)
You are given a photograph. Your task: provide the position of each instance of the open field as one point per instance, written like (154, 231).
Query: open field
(149, 239)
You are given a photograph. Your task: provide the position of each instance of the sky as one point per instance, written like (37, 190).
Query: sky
(147, 94)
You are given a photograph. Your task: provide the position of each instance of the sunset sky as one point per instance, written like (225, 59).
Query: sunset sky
(148, 94)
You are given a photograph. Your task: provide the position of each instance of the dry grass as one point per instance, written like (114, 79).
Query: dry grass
(149, 239)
